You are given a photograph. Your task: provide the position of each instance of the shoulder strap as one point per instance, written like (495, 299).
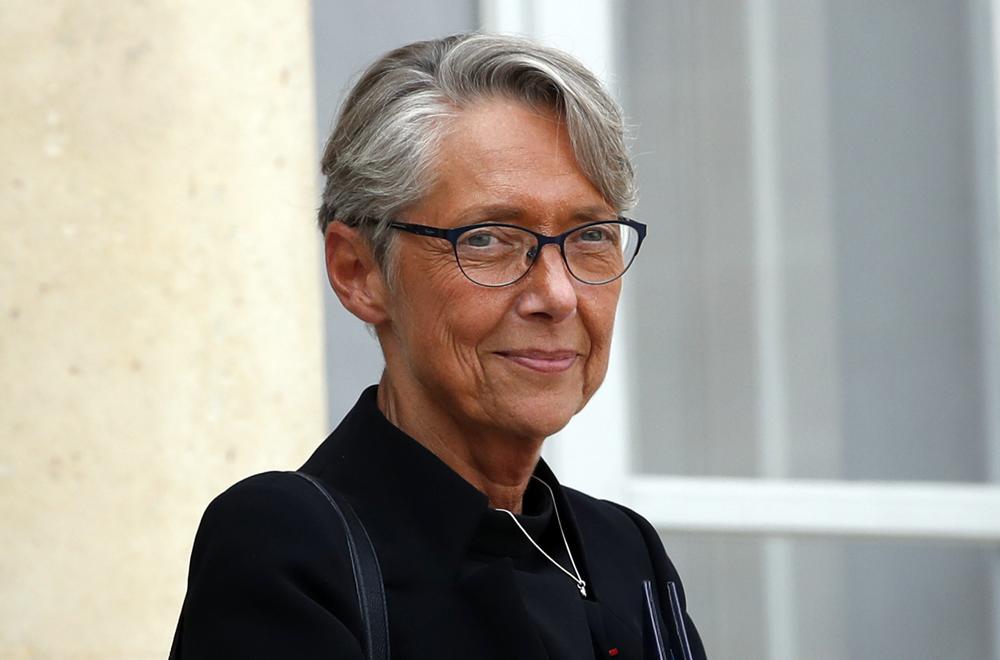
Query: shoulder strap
(367, 574)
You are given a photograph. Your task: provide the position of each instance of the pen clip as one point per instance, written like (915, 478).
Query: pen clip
(654, 637)
(680, 630)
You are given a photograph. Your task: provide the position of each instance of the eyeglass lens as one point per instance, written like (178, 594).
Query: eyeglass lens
(497, 255)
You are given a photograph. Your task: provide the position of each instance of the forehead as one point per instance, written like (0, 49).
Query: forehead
(503, 154)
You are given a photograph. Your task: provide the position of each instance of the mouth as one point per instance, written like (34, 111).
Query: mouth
(548, 362)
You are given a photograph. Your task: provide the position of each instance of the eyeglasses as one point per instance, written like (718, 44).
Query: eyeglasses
(495, 254)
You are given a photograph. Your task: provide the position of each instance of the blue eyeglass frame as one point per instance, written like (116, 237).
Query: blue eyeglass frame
(452, 235)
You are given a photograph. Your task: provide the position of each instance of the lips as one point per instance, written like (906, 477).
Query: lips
(542, 360)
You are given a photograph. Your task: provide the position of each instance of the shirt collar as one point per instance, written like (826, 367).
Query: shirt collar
(497, 535)
(417, 510)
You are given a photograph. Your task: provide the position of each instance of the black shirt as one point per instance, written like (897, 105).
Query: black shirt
(551, 598)
(270, 576)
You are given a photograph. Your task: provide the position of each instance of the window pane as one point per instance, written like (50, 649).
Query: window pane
(850, 135)
(835, 600)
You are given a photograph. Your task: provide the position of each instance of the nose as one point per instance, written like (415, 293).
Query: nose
(549, 290)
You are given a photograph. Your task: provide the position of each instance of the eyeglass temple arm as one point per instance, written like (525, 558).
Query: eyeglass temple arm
(420, 230)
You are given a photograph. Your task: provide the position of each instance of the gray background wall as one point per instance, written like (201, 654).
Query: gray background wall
(348, 36)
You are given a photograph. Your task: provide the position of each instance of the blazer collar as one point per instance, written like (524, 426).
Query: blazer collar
(420, 513)
(418, 510)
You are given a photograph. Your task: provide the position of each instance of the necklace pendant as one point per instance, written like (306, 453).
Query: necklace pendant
(580, 582)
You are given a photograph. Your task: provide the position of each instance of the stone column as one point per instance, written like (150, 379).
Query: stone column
(160, 334)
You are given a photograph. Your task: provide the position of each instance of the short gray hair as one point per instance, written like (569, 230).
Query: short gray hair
(379, 159)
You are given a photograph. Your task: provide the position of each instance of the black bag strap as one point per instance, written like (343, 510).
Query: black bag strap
(367, 573)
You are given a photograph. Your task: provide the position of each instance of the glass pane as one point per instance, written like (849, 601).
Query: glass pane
(811, 299)
(837, 600)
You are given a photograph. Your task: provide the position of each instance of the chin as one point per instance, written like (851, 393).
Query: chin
(541, 417)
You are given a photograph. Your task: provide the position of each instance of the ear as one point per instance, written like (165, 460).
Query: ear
(354, 275)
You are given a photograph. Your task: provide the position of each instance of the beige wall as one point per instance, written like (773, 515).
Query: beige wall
(159, 324)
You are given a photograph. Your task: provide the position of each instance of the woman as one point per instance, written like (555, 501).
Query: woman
(471, 215)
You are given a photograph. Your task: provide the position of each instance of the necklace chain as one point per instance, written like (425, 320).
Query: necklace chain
(580, 583)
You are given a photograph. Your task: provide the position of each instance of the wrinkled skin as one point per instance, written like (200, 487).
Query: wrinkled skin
(481, 376)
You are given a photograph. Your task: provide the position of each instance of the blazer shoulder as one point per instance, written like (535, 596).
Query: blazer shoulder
(266, 524)
(609, 520)
(264, 505)
(264, 496)
(269, 570)
(609, 514)
(610, 536)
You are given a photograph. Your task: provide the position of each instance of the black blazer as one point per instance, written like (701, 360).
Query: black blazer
(270, 576)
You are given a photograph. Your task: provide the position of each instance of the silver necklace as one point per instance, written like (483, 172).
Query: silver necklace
(580, 584)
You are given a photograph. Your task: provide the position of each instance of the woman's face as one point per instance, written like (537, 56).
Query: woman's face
(520, 359)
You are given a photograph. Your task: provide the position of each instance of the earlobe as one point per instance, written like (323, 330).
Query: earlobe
(354, 276)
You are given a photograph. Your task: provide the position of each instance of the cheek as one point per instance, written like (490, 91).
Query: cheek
(598, 312)
(467, 319)
(446, 319)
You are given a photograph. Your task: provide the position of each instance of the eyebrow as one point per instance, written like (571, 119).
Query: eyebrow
(595, 212)
(508, 213)
(492, 212)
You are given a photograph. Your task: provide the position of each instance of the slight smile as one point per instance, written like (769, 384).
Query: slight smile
(542, 361)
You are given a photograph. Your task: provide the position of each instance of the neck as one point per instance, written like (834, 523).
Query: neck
(496, 464)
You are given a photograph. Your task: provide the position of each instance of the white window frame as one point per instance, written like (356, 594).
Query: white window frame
(594, 452)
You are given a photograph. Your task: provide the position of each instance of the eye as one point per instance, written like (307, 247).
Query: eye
(494, 239)
(597, 236)
(593, 234)
(479, 239)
